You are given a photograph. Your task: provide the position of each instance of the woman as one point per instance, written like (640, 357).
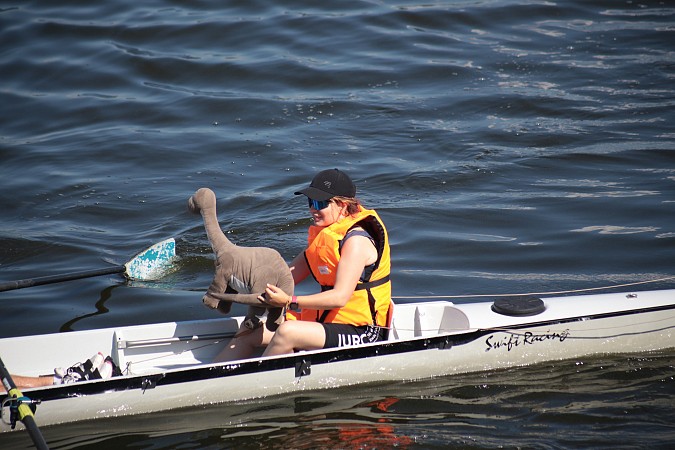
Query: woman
(348, 255)
(96, 367)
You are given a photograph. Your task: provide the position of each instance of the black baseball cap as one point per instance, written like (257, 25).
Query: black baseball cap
(328, 184)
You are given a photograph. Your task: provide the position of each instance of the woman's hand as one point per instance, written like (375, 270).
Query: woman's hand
(275, 296)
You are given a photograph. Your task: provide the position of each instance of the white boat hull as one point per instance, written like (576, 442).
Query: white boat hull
(169, 363)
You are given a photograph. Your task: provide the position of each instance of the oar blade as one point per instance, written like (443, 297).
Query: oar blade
(152, 263)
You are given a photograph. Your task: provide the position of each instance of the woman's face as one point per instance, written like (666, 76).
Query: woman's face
(326, 216)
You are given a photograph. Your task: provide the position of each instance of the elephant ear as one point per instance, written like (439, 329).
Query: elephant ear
(225, 307)
(244, 299)
(219, 285)
(215, 301)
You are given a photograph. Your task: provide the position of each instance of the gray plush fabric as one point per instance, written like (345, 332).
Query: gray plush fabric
(242, 273)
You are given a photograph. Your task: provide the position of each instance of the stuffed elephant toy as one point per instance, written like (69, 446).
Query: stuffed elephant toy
(242, 273)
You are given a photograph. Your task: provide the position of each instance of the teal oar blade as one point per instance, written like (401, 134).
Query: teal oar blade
(150, 264)
(153, 262)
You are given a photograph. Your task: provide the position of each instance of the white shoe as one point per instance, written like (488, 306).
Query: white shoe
(79, 372)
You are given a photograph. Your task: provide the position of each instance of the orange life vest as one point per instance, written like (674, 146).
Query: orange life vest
(370, 301)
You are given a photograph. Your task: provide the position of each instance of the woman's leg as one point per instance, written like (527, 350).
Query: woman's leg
(22, 382)
(294, 335)
(245, 343)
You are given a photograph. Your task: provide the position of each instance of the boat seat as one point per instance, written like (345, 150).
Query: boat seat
(453, 320)
(439, 317)
(427, 319)
(136, 351)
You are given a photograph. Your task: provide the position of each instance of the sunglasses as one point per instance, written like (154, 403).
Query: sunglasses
(318, 204)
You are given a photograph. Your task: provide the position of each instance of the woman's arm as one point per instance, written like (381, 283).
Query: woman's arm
(299, 268)
(357, 252)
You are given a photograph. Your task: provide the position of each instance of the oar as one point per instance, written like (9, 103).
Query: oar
(147, 265)
(24, 411)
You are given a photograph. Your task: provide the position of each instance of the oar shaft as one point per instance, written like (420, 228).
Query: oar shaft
(25, 413)
(18, 284)
(146, 265)
(34, 431)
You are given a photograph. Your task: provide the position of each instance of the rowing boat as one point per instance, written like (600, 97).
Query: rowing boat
(168, 365)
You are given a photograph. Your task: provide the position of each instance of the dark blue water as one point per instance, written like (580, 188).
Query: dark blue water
(509, 146)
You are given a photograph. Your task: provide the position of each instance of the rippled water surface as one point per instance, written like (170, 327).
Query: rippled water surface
(510, 146)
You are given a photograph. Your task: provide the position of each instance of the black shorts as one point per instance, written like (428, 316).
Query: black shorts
(342, 335)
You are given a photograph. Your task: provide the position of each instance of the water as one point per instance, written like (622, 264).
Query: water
(509, 147)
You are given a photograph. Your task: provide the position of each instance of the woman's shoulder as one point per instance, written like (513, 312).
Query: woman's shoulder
(357, 231)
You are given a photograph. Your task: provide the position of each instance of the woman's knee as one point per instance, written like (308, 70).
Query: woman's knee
(285, 331)
(299, 335)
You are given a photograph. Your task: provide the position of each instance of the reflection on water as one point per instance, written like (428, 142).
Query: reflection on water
(100, 309)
